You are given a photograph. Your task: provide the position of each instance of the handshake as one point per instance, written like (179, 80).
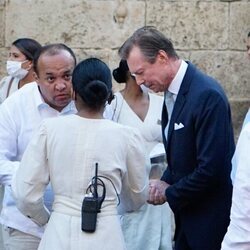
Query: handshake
(157, 190)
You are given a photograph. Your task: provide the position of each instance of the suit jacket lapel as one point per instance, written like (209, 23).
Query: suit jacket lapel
(164, 122)
(181, 98)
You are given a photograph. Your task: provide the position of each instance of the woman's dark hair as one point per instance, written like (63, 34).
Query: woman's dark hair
(92, 81)
(29, 47)
(120, 74)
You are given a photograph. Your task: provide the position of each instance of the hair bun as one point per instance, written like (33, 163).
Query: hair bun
(120, 73)
(92, 81)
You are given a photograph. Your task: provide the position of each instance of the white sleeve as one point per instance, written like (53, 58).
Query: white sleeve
(238, 232)
(31, 179)
(8, 145)
(135, 182)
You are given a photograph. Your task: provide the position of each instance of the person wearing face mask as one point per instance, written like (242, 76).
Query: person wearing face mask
(20, 115)
(19, 66)
(136, 107)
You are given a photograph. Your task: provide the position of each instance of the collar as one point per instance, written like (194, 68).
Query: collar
(38, 98)
(175, 85)
(41, 104)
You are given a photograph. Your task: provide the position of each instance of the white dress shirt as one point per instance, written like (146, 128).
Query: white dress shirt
(174, 88)
(234, 165)
(20, 116)
(238, 232)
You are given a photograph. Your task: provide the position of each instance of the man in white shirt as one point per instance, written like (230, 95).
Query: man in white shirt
(20, 115)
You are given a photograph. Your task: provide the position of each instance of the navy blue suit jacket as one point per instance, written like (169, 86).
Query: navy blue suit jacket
(199, 160)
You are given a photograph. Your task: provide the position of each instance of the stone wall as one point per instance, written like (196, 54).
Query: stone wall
(209, 33)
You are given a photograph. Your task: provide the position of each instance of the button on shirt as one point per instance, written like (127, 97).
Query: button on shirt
(20, 116)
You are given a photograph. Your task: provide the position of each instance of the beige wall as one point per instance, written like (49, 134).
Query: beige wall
(209, 33)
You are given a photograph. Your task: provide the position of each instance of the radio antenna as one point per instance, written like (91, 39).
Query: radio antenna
(95, 182)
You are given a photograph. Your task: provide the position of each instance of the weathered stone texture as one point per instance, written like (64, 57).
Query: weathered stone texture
(2, 25)
(210, 33)
(231, 69)
(239, 24)
(80, 24)
(3, 58)
(191, 25)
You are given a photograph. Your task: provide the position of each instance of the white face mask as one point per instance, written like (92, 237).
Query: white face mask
(15, 69)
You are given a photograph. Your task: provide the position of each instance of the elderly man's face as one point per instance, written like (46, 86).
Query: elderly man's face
(155, 76)
(54, 78)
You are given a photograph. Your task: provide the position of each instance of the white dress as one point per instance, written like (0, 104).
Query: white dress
(8, 85)
(151, 227)
(64, 152)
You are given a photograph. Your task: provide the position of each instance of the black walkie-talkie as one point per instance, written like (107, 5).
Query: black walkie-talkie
(91, 205)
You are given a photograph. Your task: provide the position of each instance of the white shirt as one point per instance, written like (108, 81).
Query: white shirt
(234, 165)
(238, 232)
(20, 116)
(174, 87)
(247, 118)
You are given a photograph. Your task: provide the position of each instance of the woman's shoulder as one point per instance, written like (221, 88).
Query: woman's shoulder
(8, 85)
(121, 129)
(156, 97)
(61, 118)
(57, 122)
(5, 80)
(156, 103)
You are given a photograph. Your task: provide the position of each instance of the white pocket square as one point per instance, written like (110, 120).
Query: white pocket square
(178, 126)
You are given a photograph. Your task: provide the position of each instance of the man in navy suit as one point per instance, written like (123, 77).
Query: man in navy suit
(198, 139)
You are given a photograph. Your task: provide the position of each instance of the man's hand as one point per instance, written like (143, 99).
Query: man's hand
(157, 190)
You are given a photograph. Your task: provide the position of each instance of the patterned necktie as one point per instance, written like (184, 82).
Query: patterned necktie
(169, 102)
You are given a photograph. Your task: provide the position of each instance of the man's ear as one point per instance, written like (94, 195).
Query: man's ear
(36, 77)
(162, 55)
(73, 95)
(29, 64)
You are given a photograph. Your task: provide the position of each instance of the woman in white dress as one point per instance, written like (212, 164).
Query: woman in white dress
(151, 227)
(19, 66)
(65, 152)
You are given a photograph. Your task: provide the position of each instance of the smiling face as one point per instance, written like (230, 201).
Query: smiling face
(156, 76)
(54, 78)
